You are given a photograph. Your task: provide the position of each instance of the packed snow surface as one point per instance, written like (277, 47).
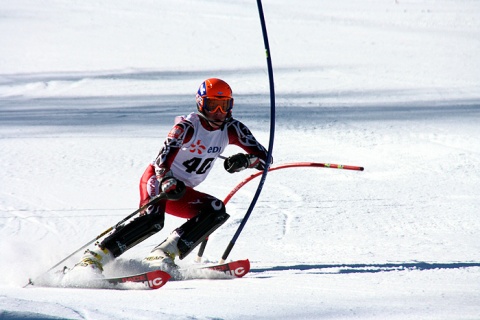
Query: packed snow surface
(89, 90)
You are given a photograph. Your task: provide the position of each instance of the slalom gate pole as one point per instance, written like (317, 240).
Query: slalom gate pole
(291, 165)
(272, 133)
(278, 167)
(160, 196)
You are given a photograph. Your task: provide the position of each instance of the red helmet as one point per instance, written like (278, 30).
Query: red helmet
(214, 95)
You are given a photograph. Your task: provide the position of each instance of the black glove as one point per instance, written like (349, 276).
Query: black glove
(174, 188)
(236, 163)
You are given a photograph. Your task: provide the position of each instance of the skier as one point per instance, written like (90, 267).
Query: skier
(184, 161)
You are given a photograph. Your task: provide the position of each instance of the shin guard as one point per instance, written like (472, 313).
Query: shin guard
(198, 229)
(133, 233)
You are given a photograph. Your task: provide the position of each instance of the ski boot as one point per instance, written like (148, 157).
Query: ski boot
(162, 257)
(95, 259)
(89, 268)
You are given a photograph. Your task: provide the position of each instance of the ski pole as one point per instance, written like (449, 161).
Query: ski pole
(154, 200)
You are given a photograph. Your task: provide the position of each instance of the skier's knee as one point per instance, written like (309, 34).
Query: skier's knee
(217, 207)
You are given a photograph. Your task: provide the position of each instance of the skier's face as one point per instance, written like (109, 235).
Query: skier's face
(216, 110)
(216, 118)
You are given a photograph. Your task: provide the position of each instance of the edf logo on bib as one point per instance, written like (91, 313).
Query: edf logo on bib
(199, 148)
(214, 150)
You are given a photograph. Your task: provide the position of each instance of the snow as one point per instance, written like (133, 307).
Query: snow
(89, 90)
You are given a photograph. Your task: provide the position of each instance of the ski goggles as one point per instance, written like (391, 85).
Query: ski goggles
(212, 105)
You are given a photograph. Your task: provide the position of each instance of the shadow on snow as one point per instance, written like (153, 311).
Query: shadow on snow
(147, 110)
(161, 109)
(367, 268)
